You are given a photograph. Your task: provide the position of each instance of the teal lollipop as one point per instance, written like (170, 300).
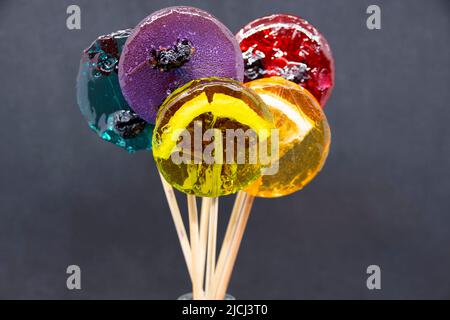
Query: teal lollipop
(100, 98)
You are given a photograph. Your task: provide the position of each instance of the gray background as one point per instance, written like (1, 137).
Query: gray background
(382, 198)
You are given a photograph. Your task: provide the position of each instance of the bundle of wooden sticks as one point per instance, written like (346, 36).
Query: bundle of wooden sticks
(210, 276)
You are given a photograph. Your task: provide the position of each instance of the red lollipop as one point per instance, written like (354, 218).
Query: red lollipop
(290, 47)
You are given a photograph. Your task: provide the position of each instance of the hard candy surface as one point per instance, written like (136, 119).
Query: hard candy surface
(100, 99)
(290, 47)
(171, 47)
(304, 136)
(181, 143)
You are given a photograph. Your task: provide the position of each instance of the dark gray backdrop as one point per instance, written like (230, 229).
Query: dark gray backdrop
(382, 197)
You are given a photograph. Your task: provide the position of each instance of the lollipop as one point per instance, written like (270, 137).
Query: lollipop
(203, 110)
(304, 139)
(304, 136)
(100, 100)
(180, 70)
(168, 49)
(194, 115)
(290, 47)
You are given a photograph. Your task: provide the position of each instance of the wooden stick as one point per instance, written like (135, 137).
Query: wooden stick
(226, 243)
(179, 225)
(212, 239)
(194, 235)
(234, 248)
(204, 220)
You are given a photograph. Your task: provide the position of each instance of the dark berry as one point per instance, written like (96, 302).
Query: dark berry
(166, 59)
(128, 124)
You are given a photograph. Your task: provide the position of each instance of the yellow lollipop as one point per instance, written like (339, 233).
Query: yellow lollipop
(304, 136)
(196, 137)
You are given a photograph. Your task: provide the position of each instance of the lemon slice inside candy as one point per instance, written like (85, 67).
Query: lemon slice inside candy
(213, 103)
(222, 106)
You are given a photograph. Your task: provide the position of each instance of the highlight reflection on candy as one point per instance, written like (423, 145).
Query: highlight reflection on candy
(289, 47)
(193, 143)
(171, 47)
(100, 99)
(304, 136)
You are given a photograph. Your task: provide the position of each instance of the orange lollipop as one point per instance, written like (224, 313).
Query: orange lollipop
(304, 136)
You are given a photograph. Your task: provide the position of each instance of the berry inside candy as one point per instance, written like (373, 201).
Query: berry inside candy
(289, 47)
(171, 58)
(128, 124)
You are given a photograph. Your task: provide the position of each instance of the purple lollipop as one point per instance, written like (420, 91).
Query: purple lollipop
(168, 49)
